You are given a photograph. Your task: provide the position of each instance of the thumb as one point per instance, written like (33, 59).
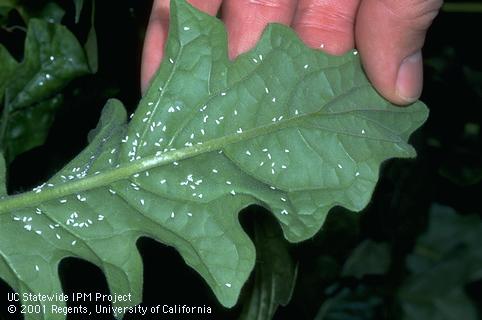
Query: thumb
(390, 35)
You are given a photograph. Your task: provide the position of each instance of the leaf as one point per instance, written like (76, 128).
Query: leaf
(446, 258)
(8, 3)
(3, 176)
(275, 273)
(53, 57)
(7, 67)
(174, 174)
(474, 79)
(359, 303)
(4, 14)
(367, 258)
(50, 12)
(90, 46)
(29, 127)
(79, 4)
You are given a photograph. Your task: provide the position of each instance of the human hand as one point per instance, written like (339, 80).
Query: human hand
(388, 34)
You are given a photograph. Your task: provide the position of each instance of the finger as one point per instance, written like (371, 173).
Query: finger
(389, 36)
(327, 24)
(156, 35)
(246, 19)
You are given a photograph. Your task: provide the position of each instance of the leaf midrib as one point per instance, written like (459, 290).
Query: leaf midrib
(124, 171)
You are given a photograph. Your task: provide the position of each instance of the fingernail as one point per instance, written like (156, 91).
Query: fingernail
(410, 78)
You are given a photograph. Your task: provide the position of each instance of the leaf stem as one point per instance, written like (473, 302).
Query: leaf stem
(33, 198)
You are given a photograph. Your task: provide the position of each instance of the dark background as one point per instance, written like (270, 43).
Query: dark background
(447, 171)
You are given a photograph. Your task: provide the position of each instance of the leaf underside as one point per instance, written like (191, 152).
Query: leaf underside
(283, 126)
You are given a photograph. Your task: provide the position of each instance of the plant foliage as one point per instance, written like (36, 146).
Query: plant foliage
(283, 126)
(30, 91)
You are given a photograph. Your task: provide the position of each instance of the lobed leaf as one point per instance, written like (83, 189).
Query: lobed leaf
(284, 126)
(53, 57)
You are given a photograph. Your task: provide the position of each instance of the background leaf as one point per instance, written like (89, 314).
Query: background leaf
(351, 304)
(274, 274)
(7, 67)
(3, 175)
(446, 258)
(79, 4)
(368, 258)
(53, 57)
(90, 46)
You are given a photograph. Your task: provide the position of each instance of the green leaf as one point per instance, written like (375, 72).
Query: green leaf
(53, 57)
(50, 12)
(359, 303)
(79, 4)
(8, 3)
(90, 46)
(7, 67)
(367, 258)
(284, 126)
(275, 273)
(29, 128)
(3, 176)
(446, 258)
(4, 13)
(474, 79)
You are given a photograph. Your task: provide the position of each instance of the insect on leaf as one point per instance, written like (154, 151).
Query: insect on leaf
(283, 126)
(30, 90)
